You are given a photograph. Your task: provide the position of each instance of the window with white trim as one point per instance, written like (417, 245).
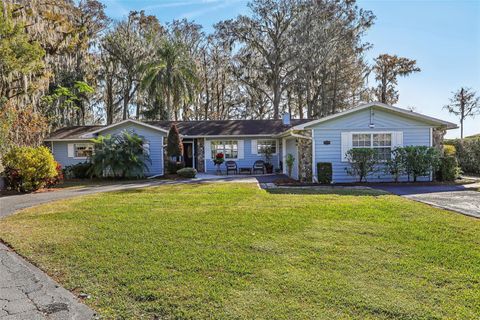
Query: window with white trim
(267, 143)
(380, 142)
(229, 148)
(83, 150)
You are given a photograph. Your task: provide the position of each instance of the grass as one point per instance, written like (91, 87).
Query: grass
(232, 251)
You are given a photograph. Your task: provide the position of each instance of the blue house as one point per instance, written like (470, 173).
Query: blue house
(373, 125)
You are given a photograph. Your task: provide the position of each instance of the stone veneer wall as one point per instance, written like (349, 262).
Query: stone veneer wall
(305, 157)
(200, 150)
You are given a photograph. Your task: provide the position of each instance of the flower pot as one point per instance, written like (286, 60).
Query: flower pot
(269, 168)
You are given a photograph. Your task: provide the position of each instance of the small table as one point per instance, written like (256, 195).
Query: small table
(245, 170)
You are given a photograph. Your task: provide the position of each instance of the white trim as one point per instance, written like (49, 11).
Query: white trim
(371, 133)
(204, 155)
(435, 121)
(314, 165)
(90, 134)
(256, 146)
(77, 139)
(268, 136)
(284, 155)
(431, 145)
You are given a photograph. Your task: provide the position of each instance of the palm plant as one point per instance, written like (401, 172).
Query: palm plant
(120, 156)
(171, 75)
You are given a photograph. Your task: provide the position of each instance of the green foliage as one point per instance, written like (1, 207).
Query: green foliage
(19, 56)
(174, 166)
(449, 150)
(448, 169)
(420, 161)
(468, 154)
(81, 170)
(187, 173)
(396, 165)
(362, 162)
(290, 161)
(28, 169)
(120, 156)
(324, 172)
(174, 143)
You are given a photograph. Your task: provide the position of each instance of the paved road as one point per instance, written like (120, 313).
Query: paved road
(452, 197)
(28, 293)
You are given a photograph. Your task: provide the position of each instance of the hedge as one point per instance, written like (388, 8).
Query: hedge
(324, 172)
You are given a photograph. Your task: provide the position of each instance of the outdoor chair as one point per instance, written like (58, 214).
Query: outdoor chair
(231, 166)
(259, 165)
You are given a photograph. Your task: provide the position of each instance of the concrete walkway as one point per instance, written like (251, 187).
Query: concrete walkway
(458, 198)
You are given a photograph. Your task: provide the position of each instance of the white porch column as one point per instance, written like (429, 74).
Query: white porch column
(284, 155)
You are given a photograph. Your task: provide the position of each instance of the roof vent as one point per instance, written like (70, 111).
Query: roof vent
(286, 119)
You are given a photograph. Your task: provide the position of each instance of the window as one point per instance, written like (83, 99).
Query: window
(262, 144)
(380, 142)
(229, 148)
(83, 150)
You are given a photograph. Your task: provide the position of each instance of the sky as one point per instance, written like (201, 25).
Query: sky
(443, 36)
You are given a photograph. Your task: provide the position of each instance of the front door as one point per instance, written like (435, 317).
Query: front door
(188, 154)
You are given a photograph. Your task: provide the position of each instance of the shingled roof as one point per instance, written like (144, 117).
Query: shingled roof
(197, 128)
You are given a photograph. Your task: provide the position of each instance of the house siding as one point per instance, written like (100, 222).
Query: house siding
(415, 133)
(248, 157)
(60, 152)
(154, 137)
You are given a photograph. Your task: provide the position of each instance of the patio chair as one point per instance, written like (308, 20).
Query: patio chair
(231, 166)
(259, 165)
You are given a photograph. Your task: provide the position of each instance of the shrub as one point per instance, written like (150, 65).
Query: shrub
(28, 169)
(174, 166)
(467, 154)
(50, 182)
(187, 173)
(174, 144)
(420, 161)
(396, 165)
(324, 172)
(448, 169)
(79, 171)
(449, 150)
(362, 162)
(290, 161)
(122, 155)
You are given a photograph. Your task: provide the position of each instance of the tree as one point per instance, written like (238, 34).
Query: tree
(174, 143)
(387, 69)
(267, 36)
(129, 44)
(464, 104)
(171, 74)
(20, 58)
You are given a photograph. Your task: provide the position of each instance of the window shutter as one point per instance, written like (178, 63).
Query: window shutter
(241, 149)
(208, 150)
(254, 147)
(346, 144)
(397, 139)
(71, 150)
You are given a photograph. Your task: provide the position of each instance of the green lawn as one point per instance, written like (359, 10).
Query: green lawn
(232, 251)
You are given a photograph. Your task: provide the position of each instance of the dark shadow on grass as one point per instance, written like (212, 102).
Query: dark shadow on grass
(326, 191)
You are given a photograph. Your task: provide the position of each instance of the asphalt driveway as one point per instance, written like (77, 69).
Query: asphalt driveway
(459, 198)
